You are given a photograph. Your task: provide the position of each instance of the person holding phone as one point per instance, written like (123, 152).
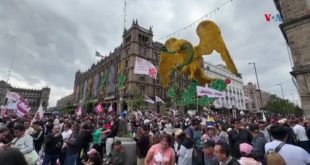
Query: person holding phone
(53, 143)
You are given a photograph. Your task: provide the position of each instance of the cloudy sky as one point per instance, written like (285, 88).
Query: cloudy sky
(49, 40)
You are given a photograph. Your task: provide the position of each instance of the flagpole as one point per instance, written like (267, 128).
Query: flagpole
(197, 101)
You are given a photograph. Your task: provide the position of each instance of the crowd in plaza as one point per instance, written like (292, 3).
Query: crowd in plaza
(158, 139)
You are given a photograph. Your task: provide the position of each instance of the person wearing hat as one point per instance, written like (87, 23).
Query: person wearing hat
(184, 148)
(210, 134)
(208, 156)
(94, 158)
(117, 154)
(246, 151)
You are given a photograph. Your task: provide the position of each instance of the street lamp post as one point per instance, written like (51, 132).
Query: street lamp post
(281, 90)
(259, 91)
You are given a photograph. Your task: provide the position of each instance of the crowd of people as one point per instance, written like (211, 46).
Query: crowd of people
(201, 139)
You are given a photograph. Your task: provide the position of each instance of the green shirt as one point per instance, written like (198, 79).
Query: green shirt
(97, 136)
(118, 158)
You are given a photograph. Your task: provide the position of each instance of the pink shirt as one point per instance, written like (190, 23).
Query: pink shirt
(160, 157)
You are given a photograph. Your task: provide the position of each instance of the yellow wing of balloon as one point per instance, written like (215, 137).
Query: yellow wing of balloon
(211, 39)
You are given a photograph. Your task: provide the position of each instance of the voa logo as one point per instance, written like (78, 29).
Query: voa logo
(273, 17)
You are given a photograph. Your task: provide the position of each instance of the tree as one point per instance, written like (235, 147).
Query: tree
(136, 101)
(280, 106)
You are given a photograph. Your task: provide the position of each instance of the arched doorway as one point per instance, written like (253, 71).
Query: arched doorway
(125, 106)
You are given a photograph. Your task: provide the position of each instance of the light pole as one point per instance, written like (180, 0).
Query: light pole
(260, 94)
(281, 90)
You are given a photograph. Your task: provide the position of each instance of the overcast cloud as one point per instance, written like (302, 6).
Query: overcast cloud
(50, 40)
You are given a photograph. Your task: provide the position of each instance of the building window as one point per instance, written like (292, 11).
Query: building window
(157, 80)
(126, 63)
(143, 51)
(142, 78)
(158, 92)
(142, 90)
(253, 105)
(127, 51)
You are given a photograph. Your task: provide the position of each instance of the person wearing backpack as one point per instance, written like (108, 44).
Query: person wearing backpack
(280, 153)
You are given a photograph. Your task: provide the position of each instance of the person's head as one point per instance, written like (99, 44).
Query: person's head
(208, 147)
(12, 157)
(94, 157)
(4, 131)
(67, 126)
(75, 128)
(237, 124)
(19, 130)
(144, 129)
(254, 129)
(117, 145)
(261, 125)
(211, 131)
(221, 151)
(165, 141)
(195, 124)
(56, 129)
(278, 132)
(27, 124)
(222, 128)
(36, 125)
(245, 149)
(179, 135)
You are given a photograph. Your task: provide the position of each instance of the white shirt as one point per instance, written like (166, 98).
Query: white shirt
(300, 132)
(291, 154)
(66, 134)
(24, 144)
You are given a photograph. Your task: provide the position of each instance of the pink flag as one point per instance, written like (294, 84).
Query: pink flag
(78, 111)
(99, 108)
(22, 108)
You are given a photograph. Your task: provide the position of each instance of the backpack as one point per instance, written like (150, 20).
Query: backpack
(273, 157)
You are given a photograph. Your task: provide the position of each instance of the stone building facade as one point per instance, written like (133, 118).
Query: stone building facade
(65, 101)
(99, 83)
(296, 31)
(250, 92)
(255, 103)
(33, 96)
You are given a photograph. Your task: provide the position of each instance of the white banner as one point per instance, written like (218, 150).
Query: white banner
(12, 96)
(148, 99)
(143, 66)
(158, 99)
(205, 91)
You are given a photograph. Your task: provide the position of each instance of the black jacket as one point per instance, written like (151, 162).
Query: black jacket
(236, 138)
(53, 144)
(74, 144)
(143, 145)
(38, 139)
(233, 161)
